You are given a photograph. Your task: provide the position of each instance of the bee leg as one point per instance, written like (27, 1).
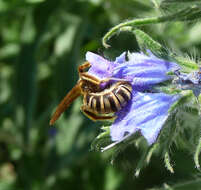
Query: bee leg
(114, 79)
(90, 78)
(85, 76)
(96, 81)
(94, 116)
(84, 66)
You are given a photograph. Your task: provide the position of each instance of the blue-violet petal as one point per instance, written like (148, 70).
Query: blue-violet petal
(102, 68)
(146, 113)
(144, 70)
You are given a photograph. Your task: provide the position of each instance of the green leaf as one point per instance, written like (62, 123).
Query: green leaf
(188, 65)
(145, 42)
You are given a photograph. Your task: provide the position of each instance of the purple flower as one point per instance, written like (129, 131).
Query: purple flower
(190, 81)
(144, 70)
(146, 112)
(102, 68)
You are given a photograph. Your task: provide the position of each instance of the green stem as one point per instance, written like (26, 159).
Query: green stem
(184, 14)
(136, 22)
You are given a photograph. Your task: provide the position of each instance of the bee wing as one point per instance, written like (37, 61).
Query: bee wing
(65, 103)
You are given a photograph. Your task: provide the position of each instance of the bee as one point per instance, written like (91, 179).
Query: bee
(99, 103)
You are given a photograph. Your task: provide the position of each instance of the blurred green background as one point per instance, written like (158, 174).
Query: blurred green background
(41, 44)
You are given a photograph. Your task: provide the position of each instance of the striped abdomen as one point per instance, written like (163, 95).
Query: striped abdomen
(110, 100)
